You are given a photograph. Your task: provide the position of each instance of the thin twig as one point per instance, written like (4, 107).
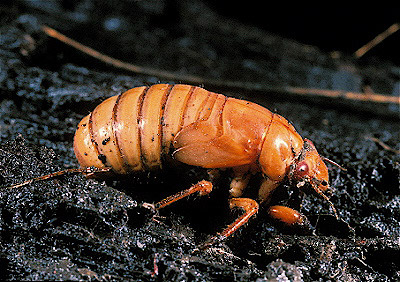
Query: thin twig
(118, 63)
(249, 86)
(378, 39)
(355, 96)
(382, 144)
(87, 171)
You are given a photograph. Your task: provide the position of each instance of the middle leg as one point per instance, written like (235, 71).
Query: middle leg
(250, 208)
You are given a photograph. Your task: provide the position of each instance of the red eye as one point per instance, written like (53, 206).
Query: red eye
(301, 170)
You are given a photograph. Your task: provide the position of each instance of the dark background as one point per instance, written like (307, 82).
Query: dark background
(72, 228)
(330, 26)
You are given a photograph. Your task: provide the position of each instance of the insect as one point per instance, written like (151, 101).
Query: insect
(145, 127)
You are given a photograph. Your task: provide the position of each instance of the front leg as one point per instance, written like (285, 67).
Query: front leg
(291, 218)
(287, 215)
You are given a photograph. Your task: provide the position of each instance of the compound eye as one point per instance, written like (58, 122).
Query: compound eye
(301, 170)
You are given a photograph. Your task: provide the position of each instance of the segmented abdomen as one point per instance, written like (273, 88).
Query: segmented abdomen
(132, 131)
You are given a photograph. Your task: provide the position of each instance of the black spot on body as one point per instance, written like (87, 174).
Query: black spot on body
(102, 158)
(105, 141)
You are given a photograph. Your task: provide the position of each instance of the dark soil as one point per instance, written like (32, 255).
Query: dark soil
(72, 228)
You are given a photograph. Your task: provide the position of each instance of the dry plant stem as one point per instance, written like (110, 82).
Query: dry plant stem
(249, 86)
(382, 144)
(118, 63)
(340, 94)
(87, 171)
(378, 39)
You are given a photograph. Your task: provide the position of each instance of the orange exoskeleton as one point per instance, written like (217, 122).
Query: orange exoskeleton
(138, 129)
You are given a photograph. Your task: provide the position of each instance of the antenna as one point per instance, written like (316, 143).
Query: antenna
(334, 163)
